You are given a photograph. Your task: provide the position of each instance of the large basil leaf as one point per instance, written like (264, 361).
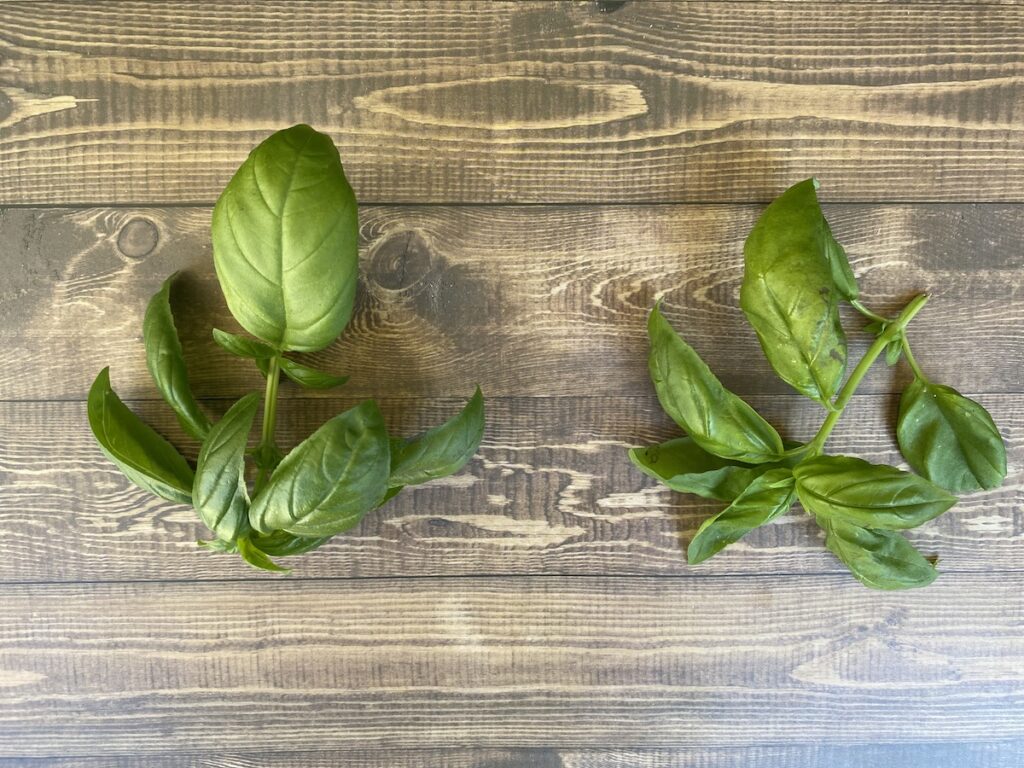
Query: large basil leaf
(285, 236)
(219, 493)
(284, 544)
(949, 438)
(240, 346)
(871, 495)
(442, 450)
(166, 362)
(146, 459)
(330, 480)
(879, 559)
(684, 466)
(717, 420)
(767, 497)
(790, 296)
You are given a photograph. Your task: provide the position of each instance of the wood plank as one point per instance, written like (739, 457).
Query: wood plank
(141, 102)
(1004, 754)
(552, 491)
(504, 663)
(524, 300)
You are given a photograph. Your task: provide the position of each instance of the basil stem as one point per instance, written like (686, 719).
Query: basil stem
(893, 330)
(267, 447)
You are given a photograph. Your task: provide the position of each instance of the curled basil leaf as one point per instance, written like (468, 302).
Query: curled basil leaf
(284, 544)
(950, 439)
(870, 495)
(717, 420)
(790, 293)
(440, 451)
(240, 346)
(767, 497)
(879, 559)
(219, 493)
(146, 459)
(257, 558)
(330, 480)
(285, 236)
(166, 362)
(308, 377)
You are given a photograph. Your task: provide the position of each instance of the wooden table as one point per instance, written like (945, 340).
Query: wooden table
(533, 177)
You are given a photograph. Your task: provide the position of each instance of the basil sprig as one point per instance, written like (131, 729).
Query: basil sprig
(796, 275)
(285, 234)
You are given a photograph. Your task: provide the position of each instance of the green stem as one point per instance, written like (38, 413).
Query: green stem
(892, 331)
(911, 360)
(267, 447)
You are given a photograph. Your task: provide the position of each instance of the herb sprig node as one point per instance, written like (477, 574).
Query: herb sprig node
(285, 235)
(796, 275)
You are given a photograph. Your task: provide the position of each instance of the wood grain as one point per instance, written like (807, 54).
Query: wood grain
(551, 491)
(523, 300)
(146, 102)
(498, 663)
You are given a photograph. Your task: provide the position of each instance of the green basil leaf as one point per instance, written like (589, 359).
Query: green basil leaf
(879, 559)
(285, 236)
(146, 459)
(255, 557)
(392, 492)
(442, 450)
(839, 264)
(870, 495)
(684, 466)
(218, 545)
(790, 296)
(330, 480)
(166, 363)
(240, 346)
(950, 439)
(893, 351)
(284, 544)
(767, 497)
(219, 493)
(308, 377)
(717, 420)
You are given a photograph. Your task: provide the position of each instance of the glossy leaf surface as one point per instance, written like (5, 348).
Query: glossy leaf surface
(879, 559)
(330, 480)
(285, 236)
(950, 439)
(790, 295)
(166, 362)
(767, 497)
(440, 451)
(870, 495)
(146, 458)
(219, 493)
(717, 420)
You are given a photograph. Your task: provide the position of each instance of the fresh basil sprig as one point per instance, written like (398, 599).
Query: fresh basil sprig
(285, 236)
(796, 275)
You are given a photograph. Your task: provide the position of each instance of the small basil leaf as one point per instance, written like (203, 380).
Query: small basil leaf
(257, 558)
(949, 438)
(218, 545)
(684, 466)
(219, 493)
(442, 450)
(893, 350)
(870, 495)
(240, 346)
(166, 362)
(330, 480)
(308, 377)
(789, 293)
(839, 264)
(717, 420)
(767, 497)
(285, 234)
(146, 459)
(284, 544)
(879, 559)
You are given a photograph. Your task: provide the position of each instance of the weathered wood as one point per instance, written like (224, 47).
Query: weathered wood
(133, 102)
(582, 663)
(552, 491)
(523, 300)
(1002, 754)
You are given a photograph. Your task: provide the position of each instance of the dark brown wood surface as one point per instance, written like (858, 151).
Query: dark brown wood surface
(534, 176)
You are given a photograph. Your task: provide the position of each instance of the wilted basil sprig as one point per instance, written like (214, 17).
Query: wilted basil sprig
(285, 235)
(796, 274)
